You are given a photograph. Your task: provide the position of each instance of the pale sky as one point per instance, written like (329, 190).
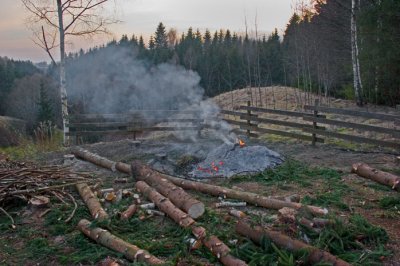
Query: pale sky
(143, 16)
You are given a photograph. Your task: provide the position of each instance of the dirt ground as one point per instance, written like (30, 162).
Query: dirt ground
(364, 196)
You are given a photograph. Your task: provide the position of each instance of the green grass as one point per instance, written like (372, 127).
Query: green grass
(354, 240)
(28, 149)
(390, 202)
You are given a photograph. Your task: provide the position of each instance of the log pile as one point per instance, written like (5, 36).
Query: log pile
(167, 193)
(216, 246)
(176, 194)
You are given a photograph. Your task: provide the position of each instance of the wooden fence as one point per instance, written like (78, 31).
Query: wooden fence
(132, 124)
(314, 124)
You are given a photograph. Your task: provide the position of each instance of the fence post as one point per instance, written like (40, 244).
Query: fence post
(248, 121)
(314, 136)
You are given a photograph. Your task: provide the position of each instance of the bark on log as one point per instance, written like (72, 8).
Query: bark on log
(249, 197)
(221, 251)
(110, 241)
(164, 204)
(381, 177)
(177, 195)
(92, 157)
(315, 255)
(92, 202)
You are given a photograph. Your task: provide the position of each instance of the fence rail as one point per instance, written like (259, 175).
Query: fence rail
(255, 119)
(84, 125)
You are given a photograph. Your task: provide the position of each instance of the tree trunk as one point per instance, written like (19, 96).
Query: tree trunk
(381, 177)
(63, 89)
(315, 255)
(91, 201)
(164, 204)
(110, 241)
(177, 195)
(355, 56)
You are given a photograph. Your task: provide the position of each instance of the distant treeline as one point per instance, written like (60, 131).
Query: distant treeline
(314, 54)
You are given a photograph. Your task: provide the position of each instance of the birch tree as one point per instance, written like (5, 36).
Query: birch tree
(53, 21)
(355, 55)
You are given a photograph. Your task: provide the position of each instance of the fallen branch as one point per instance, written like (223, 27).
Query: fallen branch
(92, 202)
(74, 210)
(110, 241)
(315, 255)
(10, 217)
(177, 195)
(376, 175)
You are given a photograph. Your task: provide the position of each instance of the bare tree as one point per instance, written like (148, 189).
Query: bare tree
(355, 55)
(54, 20)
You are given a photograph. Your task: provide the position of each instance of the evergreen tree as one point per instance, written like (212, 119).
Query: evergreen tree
(160, 39)
(45, 111)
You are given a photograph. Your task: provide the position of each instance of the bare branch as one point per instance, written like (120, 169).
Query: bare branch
(46, 45)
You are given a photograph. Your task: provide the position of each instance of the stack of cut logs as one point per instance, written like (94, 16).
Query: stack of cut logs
(168, 194)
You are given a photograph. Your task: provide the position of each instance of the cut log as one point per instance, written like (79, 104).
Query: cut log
(128, 213)
(376, 175)
(221, 251)
(251, 198)
(230, 204)
(164, 204)
(110, 241)
(315, 255)
(290, 198)
(92, 157)
(92, 202)
(237, 213)
(177, 195)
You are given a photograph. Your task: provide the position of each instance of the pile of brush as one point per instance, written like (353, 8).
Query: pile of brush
(26, 181)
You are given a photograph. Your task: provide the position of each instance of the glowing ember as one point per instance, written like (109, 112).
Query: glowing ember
(241, 143)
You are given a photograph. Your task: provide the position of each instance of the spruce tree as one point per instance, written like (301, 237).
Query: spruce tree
(45, 111)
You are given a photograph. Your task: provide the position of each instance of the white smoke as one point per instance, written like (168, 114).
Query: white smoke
(113, 80)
